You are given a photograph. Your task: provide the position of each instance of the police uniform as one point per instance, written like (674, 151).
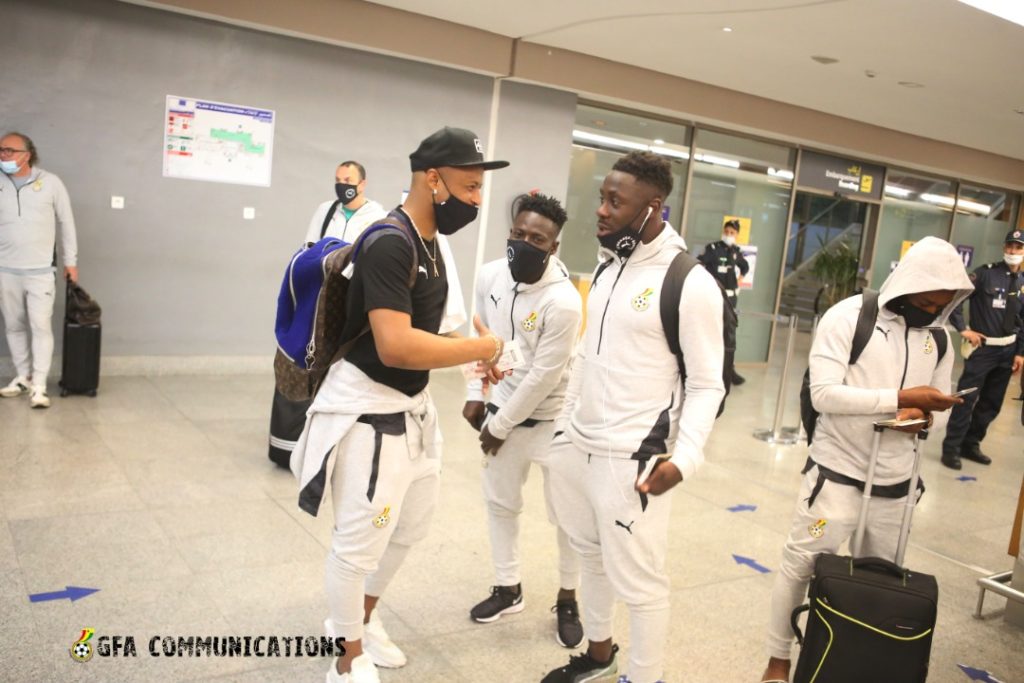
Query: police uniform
(722, 260)
(995, 311)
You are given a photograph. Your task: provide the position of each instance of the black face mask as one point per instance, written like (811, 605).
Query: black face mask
(912, 315)
(453, 214)
(346, 193)
(624, 240)
(526, 261)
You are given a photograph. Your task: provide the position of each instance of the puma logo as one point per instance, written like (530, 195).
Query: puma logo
(423, 270)
(884, 332)
(618, 523)
(495, 300)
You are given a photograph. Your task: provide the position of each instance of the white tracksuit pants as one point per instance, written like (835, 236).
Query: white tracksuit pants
(26, 302)
(384, 491)
(823, 528)
(504, 476)
(621, 546)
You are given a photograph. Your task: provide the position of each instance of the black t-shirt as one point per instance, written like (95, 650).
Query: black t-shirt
(381, 280)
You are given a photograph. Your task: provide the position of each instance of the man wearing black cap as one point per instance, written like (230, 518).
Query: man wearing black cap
(373, 412)
(996, 351)
(722, 258)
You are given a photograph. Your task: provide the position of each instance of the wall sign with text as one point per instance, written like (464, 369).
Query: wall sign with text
(845, 176)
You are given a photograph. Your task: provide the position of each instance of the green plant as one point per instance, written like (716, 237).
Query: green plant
(836, 269)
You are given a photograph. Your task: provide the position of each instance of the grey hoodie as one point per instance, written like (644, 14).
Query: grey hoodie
(852, 397)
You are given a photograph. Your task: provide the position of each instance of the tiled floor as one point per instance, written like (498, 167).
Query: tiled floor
(159, 493)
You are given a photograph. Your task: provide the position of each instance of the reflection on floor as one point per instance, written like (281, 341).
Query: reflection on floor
(159, 493)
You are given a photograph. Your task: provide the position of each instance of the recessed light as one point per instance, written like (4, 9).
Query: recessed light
(727, 29)
(911, 84)
(659, 141)
(820, 59)
(1020, 110)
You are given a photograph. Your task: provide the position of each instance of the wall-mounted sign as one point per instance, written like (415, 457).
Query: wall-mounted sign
(843, 176)
(744, 236)
(966, 252)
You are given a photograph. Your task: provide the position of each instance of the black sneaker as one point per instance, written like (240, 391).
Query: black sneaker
(974, 453)
(737, 379)
(503, 600)
(584, 669)
(570, 631)
(952, 461)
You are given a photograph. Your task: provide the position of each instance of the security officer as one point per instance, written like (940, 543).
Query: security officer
(997, 351)
(722, 258)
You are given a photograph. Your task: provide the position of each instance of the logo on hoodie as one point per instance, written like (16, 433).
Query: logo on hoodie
(530, 322)
(928, 346)
(642, 301)
(817, 530)
(381, 520)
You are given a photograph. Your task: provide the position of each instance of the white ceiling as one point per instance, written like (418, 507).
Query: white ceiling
(970, 63)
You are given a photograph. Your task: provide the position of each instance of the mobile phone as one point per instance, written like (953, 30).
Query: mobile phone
(970, 390)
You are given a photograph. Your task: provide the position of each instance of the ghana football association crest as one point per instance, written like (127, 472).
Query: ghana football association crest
(382, 520)
(530, 322)
(642, 301)
(817, 530)
(82, 650)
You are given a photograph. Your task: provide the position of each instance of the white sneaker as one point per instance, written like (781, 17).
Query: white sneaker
(39, 398)
(18, 386)
(363, 671)
(379, 645)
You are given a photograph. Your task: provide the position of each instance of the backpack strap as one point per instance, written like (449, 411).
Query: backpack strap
(328, 217)
(601, 267)
(865, 324)
(939, 335)
(671, 295)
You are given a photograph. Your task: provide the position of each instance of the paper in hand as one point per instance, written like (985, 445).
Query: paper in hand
(511, 357)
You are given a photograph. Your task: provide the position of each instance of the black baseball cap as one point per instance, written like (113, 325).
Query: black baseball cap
(451, 147)
(1014, 236)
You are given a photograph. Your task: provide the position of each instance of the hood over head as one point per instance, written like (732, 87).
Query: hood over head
(931, 264)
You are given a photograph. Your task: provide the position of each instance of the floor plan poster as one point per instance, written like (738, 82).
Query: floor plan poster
(217, 142)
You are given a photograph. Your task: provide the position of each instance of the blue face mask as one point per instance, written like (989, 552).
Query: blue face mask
(9, 167)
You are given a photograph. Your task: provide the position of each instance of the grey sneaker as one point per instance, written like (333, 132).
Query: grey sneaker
(503, 600)
(569, 632)
(584, 669)
(18, 386)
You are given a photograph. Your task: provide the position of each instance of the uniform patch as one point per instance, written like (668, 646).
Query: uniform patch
(37, 185)
(641, 302)
(817, 530)
(530, 322)
(382, 520)
(928, 346)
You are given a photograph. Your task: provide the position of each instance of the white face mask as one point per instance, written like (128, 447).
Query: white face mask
(729, 240)
(1013, 259)
(10, 167)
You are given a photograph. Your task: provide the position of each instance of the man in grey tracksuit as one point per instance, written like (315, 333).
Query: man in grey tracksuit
(630, 429)
(898, 374)
(526, 299)
(33, 203)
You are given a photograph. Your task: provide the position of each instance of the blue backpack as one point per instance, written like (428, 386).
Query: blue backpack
(311, 308)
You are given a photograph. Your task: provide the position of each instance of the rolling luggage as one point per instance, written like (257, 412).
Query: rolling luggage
(869, 619)
(80, 366)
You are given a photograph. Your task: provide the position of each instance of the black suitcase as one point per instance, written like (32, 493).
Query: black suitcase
(868, 619)
(80, 369)
(287, 419)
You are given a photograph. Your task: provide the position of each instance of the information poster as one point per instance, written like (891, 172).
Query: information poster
(217, 142)
(905, 247)
(750, 254)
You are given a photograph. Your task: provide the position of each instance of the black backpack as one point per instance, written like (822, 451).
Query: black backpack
(675, 276)
(861, 335)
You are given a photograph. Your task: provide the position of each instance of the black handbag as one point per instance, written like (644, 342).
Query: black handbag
(81, 308)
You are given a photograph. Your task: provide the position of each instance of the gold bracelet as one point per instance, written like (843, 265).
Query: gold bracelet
(499, 346)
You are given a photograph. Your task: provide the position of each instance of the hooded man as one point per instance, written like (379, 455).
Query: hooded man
(526, 298)
(899, 374)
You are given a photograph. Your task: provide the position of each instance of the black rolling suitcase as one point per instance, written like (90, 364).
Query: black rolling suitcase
(869, 619)
(287, 418)
(80, 368)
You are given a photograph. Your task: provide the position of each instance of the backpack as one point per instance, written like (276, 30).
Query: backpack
(311, 308)
(675, 276)
(81, 308)
(861, 335)
(328, 217)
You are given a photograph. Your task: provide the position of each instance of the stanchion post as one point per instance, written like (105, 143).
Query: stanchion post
(775, 434)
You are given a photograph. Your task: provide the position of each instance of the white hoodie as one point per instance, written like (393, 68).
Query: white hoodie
(851, 398)
(349, 230)
(624, 395)
(544, 317)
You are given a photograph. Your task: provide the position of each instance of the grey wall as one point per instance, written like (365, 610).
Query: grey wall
(178, 271)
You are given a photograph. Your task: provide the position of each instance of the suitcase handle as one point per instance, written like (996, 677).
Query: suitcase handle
(794, 621)
(878, 563)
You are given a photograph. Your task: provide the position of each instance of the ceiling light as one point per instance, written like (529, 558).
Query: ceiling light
(911, 84)
(1011, 10)
(607, 140)
(940, 199)
(976, 207)
(780, 173)
(1020, 110)
(659, 141)
(717, 161)
(897, 191)
(727, 29)
(820, 59)
(669, 152)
